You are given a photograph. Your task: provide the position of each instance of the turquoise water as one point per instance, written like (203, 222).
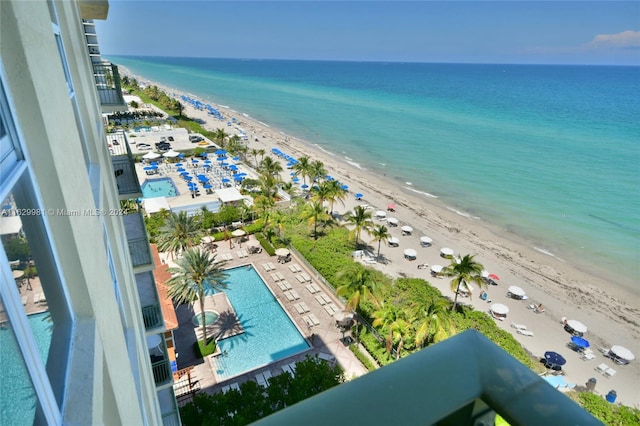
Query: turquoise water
(551, 153)
(18, 399)
(160, 187)
(269, 333)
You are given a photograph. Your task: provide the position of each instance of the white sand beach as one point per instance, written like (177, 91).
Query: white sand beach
(611, 313)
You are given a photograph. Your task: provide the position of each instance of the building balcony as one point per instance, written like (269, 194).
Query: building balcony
(465, 380)
(107, 79)
(149, 301)
(123, 166)
(139, 249)
(160, 363)
(169, 407)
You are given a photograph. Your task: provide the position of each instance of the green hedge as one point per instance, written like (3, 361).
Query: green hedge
(364, 359)
(253, 228)
(609, 414)
(375, 348)
(265, 244)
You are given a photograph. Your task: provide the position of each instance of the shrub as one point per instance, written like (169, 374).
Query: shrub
(202, 350)
(610, 414)
(265, 244)
(363, 358)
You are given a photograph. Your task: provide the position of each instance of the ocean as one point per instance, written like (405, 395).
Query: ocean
(551, 153)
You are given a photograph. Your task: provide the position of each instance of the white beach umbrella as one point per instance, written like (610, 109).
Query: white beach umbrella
(577, 326)
(436, 268)
(622, 352)
(516, 291)
(407, 229)
(381, 214)
(445, 251)
(207, 239)
(425, 241)
(282, 252)
(410, 253)
(393, 241)
(499, 309)
(392, 221)
(238, 233)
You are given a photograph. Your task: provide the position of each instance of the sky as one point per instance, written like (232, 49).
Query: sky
(518, 32)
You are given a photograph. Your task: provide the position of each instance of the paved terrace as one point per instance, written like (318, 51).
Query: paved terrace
(311, 309)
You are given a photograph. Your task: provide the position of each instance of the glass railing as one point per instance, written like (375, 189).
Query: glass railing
(107, 79)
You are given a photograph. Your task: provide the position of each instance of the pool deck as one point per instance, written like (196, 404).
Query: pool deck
(227, 324)
(324, 339)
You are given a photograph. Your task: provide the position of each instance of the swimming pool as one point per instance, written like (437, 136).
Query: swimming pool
(160, 187)
(20, 408)
(269, 335)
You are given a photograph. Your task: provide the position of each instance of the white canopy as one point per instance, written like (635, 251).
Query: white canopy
(516, 291)
(445, 251)
(238, 233)
(499, 309)
(577, 326)
(228, 195)
(381, 214)
(436, 268)
(410, 253)
(407, 229)
(392, 221)
(622, 352)
(151, 155)
(425, 240)
(393, 240)
(171, 154)
(154, 205)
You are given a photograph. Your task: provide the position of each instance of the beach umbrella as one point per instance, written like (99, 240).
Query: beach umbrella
(238, 178)
(425, 241)
(223, 164)
(392, 221)
(345, 187)
(226, 180)
(494, 277)
(577, 326)
(622, 353)
(516, 291)
(149, 167)
(221, 152)
(381, 214)
(204, 155)
(359, 195)
(178, 164)
(391, 207)
(499, 309)
(305, 186)
(233, 167)
(436, 269)
(236, 158)
(293, 173)
(181, 155)
(554, 358)
(195, 160)
(410, 254)
(580, 342)
(181, 169)
(238, 233)
(188, 177)
(407, 229)
(282, 252)
(221, 159)
(207, 186)
(393, 241)
(446, 252)
(296, 180)
(207, 161)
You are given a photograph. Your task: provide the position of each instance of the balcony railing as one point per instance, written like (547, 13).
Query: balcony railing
(464, 380)
(162, 372)
(107, 79)
(171, 419)
(152, 316)
(123, 166)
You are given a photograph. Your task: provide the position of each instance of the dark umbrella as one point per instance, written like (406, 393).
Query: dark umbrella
(554, 358)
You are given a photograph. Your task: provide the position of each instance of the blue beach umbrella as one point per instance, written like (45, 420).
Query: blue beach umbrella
(554, 358)
(179, 164)
(223, 164)
(181, 169)
(184, 173)
(207, 186)
(359, 195)
(345, 187)
(236, 158)
(221, 152)
(221, 158)
(225, 180)
(207, 161)
(148, 168)
(195, 161)
(580, 342)
(204, 155)
(181, 155)
(296, 180)
(233, 167)
(188, 178)
(305, 186)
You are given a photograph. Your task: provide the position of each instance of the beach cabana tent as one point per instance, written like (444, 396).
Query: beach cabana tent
(575, 327)
(393, 242)
(380, 214)
(425, 241)
(151, 155)
(410, 254)
(621, 353)
(516, 292)
(406, 230)
(392, 221)
(446, 252)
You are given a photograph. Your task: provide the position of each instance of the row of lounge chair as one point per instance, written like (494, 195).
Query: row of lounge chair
(522, 329)
(295, 268)
(303, 278)
(605, 370)
(268, 267)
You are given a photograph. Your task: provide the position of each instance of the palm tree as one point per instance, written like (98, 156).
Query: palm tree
(317, 171)
(359, 283)
(269, 185)
(303, 168)
(255, 154)
(219, 136)
(179, 232)
(360, 218)
(465, 271)
(315, 212)
(380, 233)
(335, 193)
(197, 273)
(320, 192)
(400, 329)
(271, 167)
(434, 322)
(263, 206)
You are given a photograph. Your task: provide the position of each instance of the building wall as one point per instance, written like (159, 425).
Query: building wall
(63, 158)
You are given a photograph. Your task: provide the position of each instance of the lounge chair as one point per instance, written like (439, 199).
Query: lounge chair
(315, 287)
(314, 319)
(326, 298)
(275, 277)
(311, 289)
(279, 274)
(320, 300)
(267, 375)
(225, 388)
(326, 357)
(525, 332)
(25, 299)
(288, 369)
(588, 356)
(609, 372)
(292, 268)
(602, 368)
(329, 310)
(308, 321)
(261, 380)
(289, 296)
(305, 276)
(518, 326)
(301, 279)
(235, 386)
(295, 294)
(266, 267)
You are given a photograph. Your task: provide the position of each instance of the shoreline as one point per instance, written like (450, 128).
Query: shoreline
(611, 311)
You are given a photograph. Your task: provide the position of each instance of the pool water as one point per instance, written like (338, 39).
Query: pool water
(161, 187)
(210, 317)
(269, 335)
(20, 407)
